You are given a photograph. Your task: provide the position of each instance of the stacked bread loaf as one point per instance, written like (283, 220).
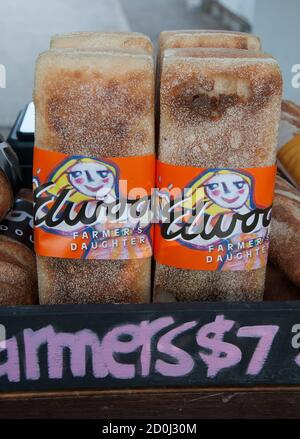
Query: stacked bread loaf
(95, 99)
(183, 39)
(10, 177)
(218, 116)
(200, 39)
(285, 239)
(18, 279)
(289, 142)
(219, 108)
(278, 286)
(120, 41)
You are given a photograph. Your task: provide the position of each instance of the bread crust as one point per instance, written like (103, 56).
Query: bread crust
(278, 286)
(98, 104)
(122, 41)
(208, 38)
(94, 103)
(6, 195)
(285, 238)
(18, 277)
(291, 108)
(219, 108)
(214, 103)
(21, 254)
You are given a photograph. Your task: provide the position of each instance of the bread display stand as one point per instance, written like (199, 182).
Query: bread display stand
(199, 360)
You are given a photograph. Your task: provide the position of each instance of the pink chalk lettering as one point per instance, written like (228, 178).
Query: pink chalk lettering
(148, 331)
(222, 354)
(184, 362)
(77, 345)
(266, 335)
(297, 359)
(141, 337)
(56, 343)
(112, 345)
(11, 368)
(33, 340)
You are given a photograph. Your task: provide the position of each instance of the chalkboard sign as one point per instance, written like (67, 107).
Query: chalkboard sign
(139, 346)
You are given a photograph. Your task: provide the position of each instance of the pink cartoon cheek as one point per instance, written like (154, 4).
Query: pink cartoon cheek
(241, 191)
(79, 180)
(216, 193)
(105, 180)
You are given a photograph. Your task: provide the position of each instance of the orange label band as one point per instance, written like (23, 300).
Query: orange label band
(92, 208)
(213, 219)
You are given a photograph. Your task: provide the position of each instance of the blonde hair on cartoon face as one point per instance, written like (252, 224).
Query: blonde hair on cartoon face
(197, 192)
(61, 179)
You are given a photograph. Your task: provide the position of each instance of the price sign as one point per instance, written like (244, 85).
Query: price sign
(115, 346)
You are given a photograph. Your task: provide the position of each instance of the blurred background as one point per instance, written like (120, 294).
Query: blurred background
(26, 27)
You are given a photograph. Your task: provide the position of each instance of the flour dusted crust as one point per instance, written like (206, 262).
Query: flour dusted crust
(63, 281)
(192, 286)
(18, 277)
(219, 108)
(94, 103)
(20, 253)
(285, 239)
(97, 104)
(122, 41)
(183, 39)
(208, 38)
(6, 195)
(18, 280)
(180, 39)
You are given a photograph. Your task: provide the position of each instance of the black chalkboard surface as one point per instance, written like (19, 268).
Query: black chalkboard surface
(140, 346)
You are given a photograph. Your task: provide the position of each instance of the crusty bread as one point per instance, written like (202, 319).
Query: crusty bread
(18, 277)
(289, 142)
(121, 41)
(208, 38)
(22, 255)
(219, 108)
(278, 286)
(15, 295)
(285, 238)
(291, 119)
(291, 108)
(215, 103)
(6, 195)
(18, 281)
(200, 39)
(111, 115)
(97, 104)
(184, 39)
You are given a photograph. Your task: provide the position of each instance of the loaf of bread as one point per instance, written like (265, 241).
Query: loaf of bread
(219, 109)
(6, 195)
(94, 104)
(180, 39)
(291, 108)
(10, 177)
(285, 237)
(18, 277)
(120, 41)
(278, 286)
(289, 142)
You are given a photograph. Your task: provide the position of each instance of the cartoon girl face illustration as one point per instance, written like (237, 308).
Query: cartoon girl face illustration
(93, 179)
(229, 191)
(223, 190)
(216, 193)
(87, 180)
